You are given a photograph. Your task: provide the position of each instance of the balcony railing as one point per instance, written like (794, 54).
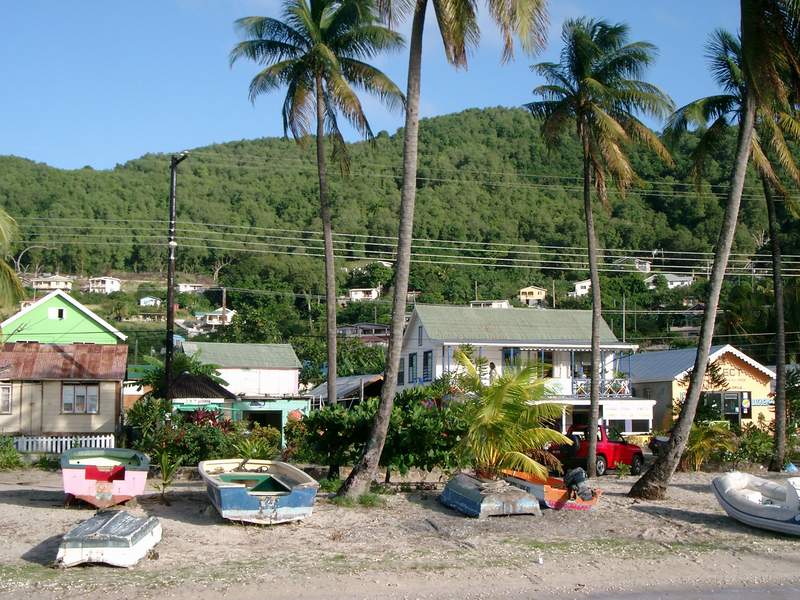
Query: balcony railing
(581, 386)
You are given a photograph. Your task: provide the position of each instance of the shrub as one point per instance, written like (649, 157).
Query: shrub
(9, 457)
(705, 443)
(756, 445)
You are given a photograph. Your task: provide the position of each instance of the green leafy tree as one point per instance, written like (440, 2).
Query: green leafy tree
(458, 26)
(250, 325)
(712, 115)
(318, 52)
(596, 89)
(155, 377)
(770, 30)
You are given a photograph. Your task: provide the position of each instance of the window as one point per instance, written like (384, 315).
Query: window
(80, 399)
(427, 365)
(412, 368)
(56, 313)
(5, 400)
(401, 372)
(511, 357)
(419, 335)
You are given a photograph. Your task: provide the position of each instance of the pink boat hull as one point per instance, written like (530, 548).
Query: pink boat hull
(103, 494)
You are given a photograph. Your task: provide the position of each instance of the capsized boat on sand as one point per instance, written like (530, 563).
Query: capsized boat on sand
(258, 491)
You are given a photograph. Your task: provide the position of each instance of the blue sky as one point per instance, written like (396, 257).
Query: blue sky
(98, 83)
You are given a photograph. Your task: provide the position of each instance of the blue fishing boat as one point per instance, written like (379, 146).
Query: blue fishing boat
(259, 491)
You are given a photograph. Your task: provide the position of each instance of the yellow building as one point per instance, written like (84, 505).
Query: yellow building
(739, 393)
(532, 295)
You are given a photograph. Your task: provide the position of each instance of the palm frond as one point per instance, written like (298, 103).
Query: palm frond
(458, 28)
(374, 81)
(524, 19)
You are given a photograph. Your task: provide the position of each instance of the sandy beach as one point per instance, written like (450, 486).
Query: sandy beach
(412, 547)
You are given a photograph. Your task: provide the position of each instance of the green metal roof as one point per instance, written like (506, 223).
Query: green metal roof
(244, 356)
(460, 324)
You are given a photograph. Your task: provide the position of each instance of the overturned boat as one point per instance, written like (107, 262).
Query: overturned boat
(570, 493)
(258, 491)
(110, 537)
(104, 477)
(483, 498)
(762, 503)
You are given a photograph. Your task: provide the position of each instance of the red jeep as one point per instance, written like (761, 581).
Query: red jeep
(609, 453)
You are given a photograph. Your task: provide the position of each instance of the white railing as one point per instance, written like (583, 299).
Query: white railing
(56, 444)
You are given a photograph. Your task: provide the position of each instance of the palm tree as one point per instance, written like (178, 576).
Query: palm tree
(10, 287)
(596, 88)
(458, 26)
(318, 52)
(712, 115)
(769, 59)
(508, 421)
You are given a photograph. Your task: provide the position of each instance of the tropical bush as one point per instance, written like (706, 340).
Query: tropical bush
(197, 436)
(756, 444)
(426, 432)
(9, 457)
(507, 420)
(707, 442)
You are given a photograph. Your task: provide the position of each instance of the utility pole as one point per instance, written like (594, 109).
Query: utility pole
(174, 161)
(623, 318)
(554, 293)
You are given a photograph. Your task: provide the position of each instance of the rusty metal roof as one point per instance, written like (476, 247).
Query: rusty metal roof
(31, 361)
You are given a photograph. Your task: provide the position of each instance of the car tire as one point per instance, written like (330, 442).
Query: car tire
(637, 464)
(601, 466)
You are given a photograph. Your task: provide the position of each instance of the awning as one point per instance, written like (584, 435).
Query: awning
(194, 407)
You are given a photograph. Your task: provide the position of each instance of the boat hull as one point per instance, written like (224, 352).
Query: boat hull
(114, 538)
(475, 498)
(104, 477)
(236, 502)
(551, 493)
(784, 520)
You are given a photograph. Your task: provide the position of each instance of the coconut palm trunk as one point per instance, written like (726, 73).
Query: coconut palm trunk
(594, 276)
(653, 484)
(364, 471)
(327, 235)
(779, 458)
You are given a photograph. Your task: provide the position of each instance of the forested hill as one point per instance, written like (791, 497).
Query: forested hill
(485, 176)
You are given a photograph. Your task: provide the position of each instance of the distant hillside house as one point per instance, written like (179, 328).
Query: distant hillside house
(490, 304)
(149, 301)
(637, 264)
(361, 294)
(368, 333)
(673, 280)
(265, 377)
(50, 283)
(532, 295)
(662, 376)
(58, 318)
(217, 318)
(104, 285)
(191, 288)
(66, 389)
(556, 342)
(581, 288)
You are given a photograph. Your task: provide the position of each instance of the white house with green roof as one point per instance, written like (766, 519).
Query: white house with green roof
(558, 341)
(58, 318)
(265, 377)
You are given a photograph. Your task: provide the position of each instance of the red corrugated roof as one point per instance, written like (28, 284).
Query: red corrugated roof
(32, 361)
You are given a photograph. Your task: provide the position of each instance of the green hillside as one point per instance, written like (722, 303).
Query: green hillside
(485, 176)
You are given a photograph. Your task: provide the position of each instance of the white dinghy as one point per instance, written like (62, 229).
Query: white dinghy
(762, 503)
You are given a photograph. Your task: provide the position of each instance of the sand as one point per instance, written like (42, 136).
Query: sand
(411, 547)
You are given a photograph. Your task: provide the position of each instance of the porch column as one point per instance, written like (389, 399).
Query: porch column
(564, 418)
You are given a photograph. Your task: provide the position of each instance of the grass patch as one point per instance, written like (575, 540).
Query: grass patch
(330, 485)
(368, 500)
(619, 547)
(47, 463)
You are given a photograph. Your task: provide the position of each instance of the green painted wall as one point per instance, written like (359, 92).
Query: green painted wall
(42, 325)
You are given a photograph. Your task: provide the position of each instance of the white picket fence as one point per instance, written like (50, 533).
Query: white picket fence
(56, 444)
